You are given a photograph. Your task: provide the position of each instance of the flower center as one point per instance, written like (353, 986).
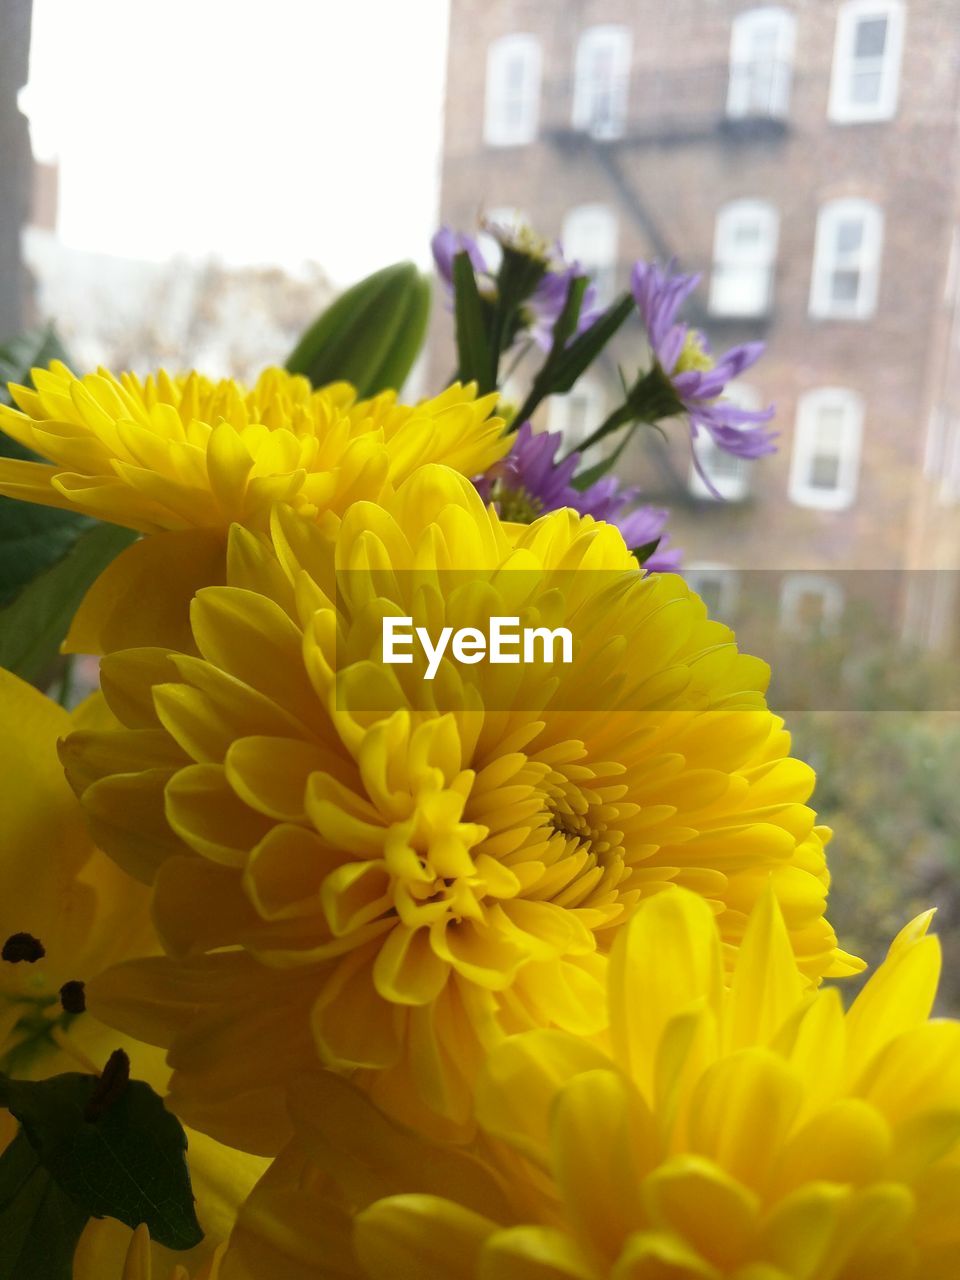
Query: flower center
(521, 238)
(694, 355)
(516, 505)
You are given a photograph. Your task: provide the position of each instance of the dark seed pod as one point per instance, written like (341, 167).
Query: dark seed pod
(73, 997)
(23, 947)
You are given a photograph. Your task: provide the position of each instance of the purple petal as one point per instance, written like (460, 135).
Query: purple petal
(446, 244)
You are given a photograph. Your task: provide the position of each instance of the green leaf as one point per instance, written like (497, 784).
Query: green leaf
(405, 341)
(30, 350)
(371, 335)
(123, 1157)
(475, 354)
(584, 349)
(644, 553)
(564, 365)
(34, 624)
(39, 1224)
(31, 537)
(568, 318)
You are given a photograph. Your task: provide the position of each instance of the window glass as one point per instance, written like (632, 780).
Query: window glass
(761, 63)
(846, 264)
(866, 64)
(590, 237)
(826, 449)
(601, 81)
(811, 605)
(745, 247)
(513, 91)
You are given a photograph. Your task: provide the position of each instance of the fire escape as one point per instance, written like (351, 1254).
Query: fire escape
(726, 108)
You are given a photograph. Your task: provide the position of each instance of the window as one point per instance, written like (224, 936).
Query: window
(744, 253)
(590, 238)
(866, 61)
(761, 63)
(513, 91)
(717, 585)
(578, 413)
(846, 260)
(601, 81)
(826, 449)
(730, 476)
(810, 604)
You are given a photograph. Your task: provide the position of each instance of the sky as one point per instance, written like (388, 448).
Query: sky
(258, 131)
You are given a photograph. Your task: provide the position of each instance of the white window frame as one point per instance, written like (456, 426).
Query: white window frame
(498, 131)
(758, 263)
(793, 589)
(618, 40)
(601, 265)
(742, 96)
(809, 407)
(826, 261)
(736, 484)
(727, 580)
(842, 109)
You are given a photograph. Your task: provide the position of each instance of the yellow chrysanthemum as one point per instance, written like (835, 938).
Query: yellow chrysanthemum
(745, 1132)
(187, 456)
(415, 869)
(60, 891)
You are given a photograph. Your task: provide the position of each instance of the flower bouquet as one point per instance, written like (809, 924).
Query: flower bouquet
(426, 891)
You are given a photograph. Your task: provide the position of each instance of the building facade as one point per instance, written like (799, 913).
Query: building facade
(15, 165)
(804, 158)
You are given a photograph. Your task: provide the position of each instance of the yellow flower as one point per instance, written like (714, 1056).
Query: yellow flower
(745, 1132)
(186, 457)
(415, 869)
(140, 1262)
(59, 890)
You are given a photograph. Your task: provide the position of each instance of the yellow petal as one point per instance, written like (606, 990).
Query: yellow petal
(704, 1206)
(603, 1142)
(533, 1253)
(143, 596)
(767, 985)
(419, 1238)
(671, 952)
(517, 1088)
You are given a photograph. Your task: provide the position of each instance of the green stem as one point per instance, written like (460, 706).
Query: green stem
(619, 418)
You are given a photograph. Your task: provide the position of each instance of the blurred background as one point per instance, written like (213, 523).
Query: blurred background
(188, 184)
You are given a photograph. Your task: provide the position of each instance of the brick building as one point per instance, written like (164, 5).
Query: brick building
(804, 158)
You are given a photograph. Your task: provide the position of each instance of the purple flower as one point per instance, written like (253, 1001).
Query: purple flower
(529, 482)
(542, 309)
(548, 300)
(446, 244)
(697, 377)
